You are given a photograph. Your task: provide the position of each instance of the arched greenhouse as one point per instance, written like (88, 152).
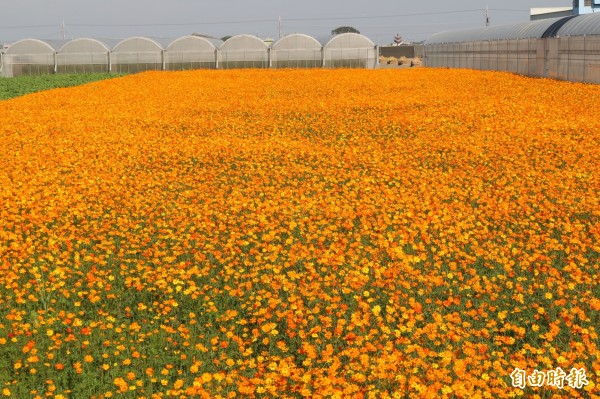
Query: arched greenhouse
(192, 52)
(30, 57)
(137, 54)
(349, 50)
(84, 55)
(297, 51)
(244, 51)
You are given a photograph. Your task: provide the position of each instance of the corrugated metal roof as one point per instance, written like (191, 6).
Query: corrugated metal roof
(523, 30)
(588, 24)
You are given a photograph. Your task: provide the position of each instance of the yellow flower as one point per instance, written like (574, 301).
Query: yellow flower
(178, 384)
(206, 378)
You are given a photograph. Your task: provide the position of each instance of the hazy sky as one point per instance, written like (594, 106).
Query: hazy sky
(378, 19)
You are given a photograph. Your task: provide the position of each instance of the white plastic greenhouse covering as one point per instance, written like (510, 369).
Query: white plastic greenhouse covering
(84, 56)
(349, 50)
(192, 52)
(297, 51)
(136, 54)
(30, 57)
(244, 51)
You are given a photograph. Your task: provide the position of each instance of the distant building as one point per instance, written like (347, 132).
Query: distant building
(550, 12)
(585, 6)
(579, 7)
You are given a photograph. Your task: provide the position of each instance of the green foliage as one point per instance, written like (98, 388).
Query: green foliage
(344, 29)
(18, 86)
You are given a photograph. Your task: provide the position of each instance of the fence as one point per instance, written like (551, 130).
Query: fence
(573, 58)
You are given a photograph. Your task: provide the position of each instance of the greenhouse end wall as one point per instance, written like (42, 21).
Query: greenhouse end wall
(191, 52)
(29, 57)
(349, 50)
(296, 51)
(83, 56)
(243, 51)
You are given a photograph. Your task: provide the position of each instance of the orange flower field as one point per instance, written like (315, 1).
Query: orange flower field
(287, 233)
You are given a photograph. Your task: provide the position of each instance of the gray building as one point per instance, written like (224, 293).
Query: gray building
(579, 7)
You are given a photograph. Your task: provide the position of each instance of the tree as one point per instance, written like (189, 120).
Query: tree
(344, 29)
(203, 35)
(224, 38)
